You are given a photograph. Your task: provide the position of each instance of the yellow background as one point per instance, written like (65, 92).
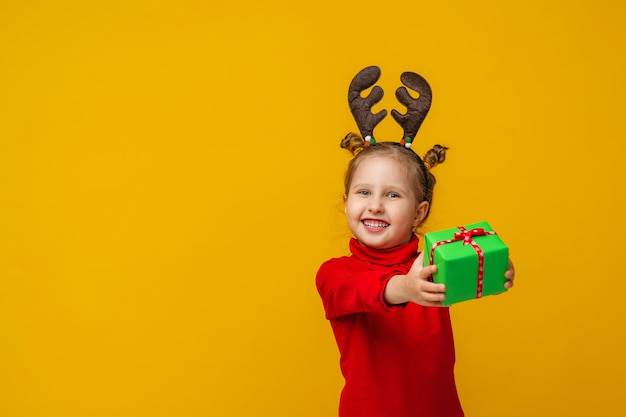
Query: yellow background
(170, 181)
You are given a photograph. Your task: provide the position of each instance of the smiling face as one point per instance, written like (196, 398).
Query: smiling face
(381, 207)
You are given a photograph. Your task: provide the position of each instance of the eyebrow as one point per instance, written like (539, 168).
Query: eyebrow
(360, 185)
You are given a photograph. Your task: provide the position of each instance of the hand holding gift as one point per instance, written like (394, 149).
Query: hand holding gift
(509, 275)
(415, 286)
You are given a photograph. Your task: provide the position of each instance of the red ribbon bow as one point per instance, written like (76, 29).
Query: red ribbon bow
(467, 237)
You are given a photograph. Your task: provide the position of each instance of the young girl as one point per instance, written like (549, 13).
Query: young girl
(394, 337)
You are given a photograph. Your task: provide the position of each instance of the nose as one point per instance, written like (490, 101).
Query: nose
(375, 205)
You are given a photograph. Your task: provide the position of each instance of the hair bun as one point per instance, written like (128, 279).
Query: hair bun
(352, 142)
(436, 155)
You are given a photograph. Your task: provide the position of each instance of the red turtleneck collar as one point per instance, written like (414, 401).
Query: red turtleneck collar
(385, 257)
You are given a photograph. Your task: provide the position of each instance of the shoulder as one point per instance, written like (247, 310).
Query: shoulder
(337, 266)
(341, 262)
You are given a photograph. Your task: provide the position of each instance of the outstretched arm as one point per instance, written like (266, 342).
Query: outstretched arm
(346, 289)
(415, 287)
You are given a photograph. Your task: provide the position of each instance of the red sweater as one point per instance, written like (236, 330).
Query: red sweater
(397, 361)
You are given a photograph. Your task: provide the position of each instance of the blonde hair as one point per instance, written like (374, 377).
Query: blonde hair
(421, 178)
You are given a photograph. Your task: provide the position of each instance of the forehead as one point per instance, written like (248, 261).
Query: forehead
(383, 169)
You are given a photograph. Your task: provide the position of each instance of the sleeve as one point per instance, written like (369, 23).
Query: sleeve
(345, 290)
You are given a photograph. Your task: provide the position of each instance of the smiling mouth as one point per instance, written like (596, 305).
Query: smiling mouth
(375, 225)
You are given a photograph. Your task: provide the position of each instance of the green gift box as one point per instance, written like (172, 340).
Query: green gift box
(457, 253)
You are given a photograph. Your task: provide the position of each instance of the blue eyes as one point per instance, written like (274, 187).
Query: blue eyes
(366, 193)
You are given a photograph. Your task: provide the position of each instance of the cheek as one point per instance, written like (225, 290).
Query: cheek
(353, 208)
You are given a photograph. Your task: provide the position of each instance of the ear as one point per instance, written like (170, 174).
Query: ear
(420, 213)
(345, 200)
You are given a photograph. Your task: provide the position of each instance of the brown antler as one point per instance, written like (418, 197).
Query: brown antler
(417, 108)
(361, 106)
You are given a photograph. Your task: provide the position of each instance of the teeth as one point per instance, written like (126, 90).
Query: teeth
(375, 224)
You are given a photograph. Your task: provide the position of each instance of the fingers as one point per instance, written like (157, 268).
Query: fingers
(509, 282)
(432, 288)
(430, 293)
(511, 270)
(427, 272)
(509, 275)
(423, 291)
(432, 299)
(422, 273)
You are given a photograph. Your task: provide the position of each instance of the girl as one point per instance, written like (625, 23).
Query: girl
(395, 339)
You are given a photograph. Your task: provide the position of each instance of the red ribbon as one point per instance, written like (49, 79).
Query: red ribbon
(467, 237)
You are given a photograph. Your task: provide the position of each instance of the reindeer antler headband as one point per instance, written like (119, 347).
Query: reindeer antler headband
(417, 108)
